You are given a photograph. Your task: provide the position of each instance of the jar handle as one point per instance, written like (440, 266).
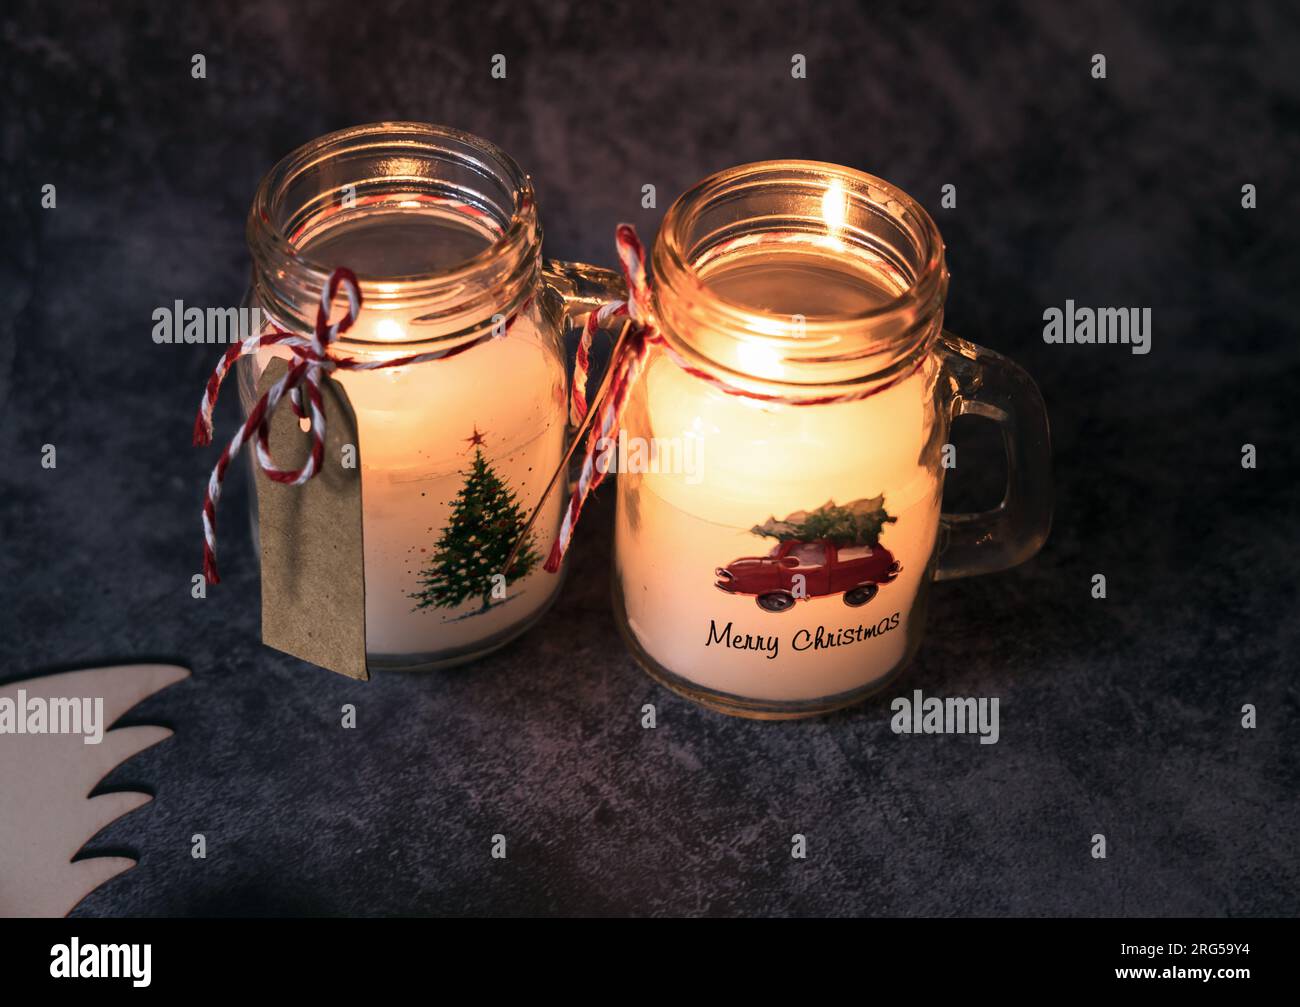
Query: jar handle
(987, 384)
(575, 289)
(581, 288)
(569, 289)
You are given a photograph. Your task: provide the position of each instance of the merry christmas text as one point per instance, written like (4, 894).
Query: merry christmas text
(821, 638)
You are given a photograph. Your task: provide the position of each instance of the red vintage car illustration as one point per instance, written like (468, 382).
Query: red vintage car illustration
(857, 571)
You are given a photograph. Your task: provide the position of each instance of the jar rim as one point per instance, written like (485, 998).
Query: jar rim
(895, 326)
(512, 251)
(673, 240)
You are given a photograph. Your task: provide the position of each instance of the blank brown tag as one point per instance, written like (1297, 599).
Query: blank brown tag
(313, 569)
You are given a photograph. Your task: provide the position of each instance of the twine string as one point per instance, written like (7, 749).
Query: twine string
(310, 361)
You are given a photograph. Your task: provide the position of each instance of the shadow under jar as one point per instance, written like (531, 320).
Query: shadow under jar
(441, 229)
(773, 557)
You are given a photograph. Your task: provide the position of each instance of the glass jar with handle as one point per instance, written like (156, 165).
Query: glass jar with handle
(779, 498)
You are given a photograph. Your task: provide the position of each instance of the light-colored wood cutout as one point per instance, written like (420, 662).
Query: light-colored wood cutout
(45, 779)
(313, 561)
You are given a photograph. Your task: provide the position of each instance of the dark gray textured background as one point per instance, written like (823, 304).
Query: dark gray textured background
(1118, 716)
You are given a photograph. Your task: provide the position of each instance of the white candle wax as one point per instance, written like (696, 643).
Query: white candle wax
(420, 427)
(416, 425)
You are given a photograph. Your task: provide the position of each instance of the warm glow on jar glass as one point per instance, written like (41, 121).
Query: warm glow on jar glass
(783, 567)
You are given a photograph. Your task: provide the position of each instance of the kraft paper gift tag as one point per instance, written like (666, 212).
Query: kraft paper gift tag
(313, 563)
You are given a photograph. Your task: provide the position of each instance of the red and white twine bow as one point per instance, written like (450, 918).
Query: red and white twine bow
(627, 365)
(311, 360)
(625, 368)
(595, 320)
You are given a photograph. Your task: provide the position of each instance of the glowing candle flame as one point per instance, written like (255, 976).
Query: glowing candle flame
(760, 361)
(390, 331)
(834, 210)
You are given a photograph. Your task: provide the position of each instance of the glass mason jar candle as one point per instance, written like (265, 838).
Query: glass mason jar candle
(779, 499)
(442, 232)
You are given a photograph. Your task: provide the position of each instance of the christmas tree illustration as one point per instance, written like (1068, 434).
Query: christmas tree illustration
(856, 524)
(485, 522)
